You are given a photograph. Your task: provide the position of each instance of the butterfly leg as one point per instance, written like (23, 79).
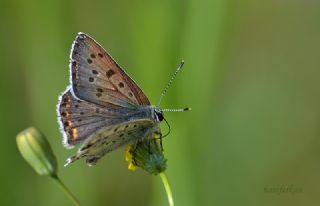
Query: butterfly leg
(149, 145)
(135, 146)
(160, 138)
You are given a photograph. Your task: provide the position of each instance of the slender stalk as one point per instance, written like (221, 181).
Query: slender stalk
(167, 188)
(66, 190)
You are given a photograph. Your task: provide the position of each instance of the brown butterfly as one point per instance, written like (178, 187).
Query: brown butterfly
(103, 108)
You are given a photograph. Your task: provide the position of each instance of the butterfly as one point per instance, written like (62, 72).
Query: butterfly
(103, 108)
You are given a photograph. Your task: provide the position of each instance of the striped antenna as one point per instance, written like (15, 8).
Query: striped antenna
(170, 82)
(176, 110)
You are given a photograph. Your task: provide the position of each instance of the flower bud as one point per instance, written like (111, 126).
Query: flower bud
(147, 155)
(35, 149)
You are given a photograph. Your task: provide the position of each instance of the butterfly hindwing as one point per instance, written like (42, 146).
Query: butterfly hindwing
(112, 138)
(97, 78)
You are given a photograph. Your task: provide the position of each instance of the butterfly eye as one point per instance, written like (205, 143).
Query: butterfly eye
(159, 115)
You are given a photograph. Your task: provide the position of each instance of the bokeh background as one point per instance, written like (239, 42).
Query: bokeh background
(251, 76)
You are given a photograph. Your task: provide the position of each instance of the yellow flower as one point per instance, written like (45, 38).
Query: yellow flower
(147, 155)
(129, 159)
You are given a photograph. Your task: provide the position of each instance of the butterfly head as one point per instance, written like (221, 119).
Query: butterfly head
(158, 114)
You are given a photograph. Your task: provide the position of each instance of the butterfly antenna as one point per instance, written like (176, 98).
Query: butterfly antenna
(176, 110)
(170, 82)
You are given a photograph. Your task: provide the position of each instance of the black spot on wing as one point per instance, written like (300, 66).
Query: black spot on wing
(109, 73)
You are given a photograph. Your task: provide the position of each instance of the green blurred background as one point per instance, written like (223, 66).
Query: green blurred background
(251, 77)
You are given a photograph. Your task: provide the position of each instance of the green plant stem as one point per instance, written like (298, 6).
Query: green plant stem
(66, 190)
(167, 188)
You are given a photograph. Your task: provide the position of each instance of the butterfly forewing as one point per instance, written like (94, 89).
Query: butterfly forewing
(81, 119)
(97, 78)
